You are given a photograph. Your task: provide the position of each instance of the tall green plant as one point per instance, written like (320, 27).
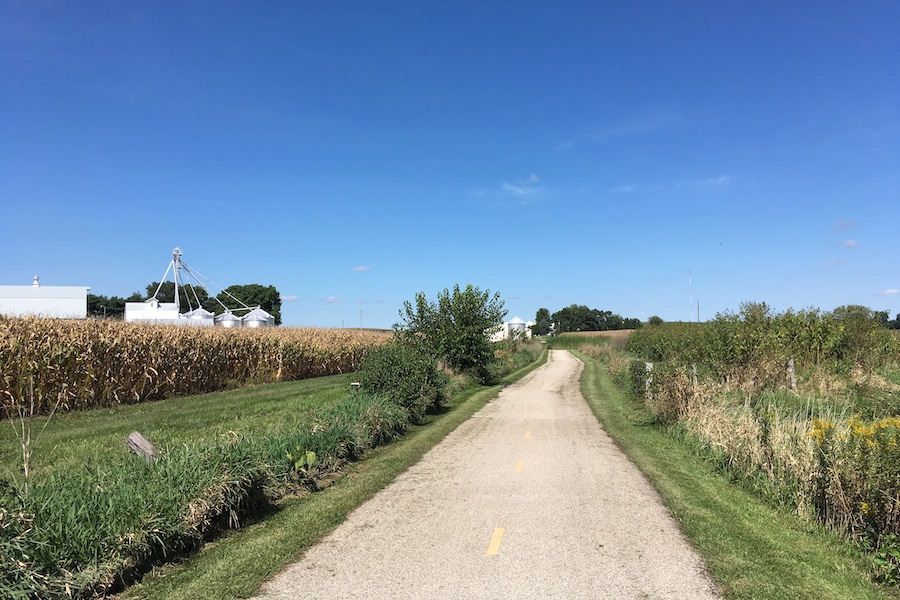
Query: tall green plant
(457, 327)
(406, 373)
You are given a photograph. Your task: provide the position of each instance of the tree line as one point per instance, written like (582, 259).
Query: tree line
(578, 317)
(266, 297)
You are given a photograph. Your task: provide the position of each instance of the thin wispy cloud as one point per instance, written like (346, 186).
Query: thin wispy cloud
(362, 268)
(707, 182)
(888, 292)
(518, 190)
(289, 298)
(523, 187)
(332, 299)
(629, 188)
(849, 244)
(522, 191)
(648, 121)
(844, 225)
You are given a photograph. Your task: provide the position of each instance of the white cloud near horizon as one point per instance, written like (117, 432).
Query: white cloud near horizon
(362, 268)
(888, 292)
(849, 244)
(289, 298)
(332, 299)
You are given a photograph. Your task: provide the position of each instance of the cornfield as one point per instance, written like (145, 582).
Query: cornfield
(84, 364)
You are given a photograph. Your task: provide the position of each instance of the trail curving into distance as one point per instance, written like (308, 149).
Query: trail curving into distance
(527, 499)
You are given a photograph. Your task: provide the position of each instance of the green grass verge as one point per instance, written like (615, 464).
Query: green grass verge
(752, 550)
(74, 439)
(237, 564)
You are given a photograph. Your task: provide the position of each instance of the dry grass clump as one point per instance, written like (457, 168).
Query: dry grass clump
(790, 441)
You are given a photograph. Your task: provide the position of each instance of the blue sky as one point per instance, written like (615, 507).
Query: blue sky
(638, 157)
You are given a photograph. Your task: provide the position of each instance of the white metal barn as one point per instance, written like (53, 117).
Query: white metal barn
(36, 300)
(152, 311)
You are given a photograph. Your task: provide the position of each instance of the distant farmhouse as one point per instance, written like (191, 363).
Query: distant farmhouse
(58, 302)
(513, 329)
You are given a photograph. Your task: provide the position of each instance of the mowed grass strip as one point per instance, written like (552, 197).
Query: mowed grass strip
(74, 439)
(236, 565)
(752, 550)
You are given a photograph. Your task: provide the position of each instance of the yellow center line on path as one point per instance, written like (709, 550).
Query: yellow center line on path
(519, 466)
(494, 546)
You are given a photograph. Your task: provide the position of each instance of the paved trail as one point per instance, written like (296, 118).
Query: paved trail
(527, 499)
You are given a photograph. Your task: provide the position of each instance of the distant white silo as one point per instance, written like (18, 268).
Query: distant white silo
(516, 325)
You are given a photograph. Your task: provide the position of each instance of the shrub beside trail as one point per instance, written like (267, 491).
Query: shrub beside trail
(801, 406)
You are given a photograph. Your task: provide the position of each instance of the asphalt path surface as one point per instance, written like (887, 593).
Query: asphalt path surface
(527, 499)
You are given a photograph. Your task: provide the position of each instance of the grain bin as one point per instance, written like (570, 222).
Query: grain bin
(199, 317)
(258, 318)
(516, 327)
(228, 319)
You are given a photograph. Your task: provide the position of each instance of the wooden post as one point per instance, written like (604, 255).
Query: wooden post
(694, 374)
(792, 374)
(141, 446)
(649, 367)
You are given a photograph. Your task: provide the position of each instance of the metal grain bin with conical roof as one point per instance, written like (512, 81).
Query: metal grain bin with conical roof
(199, 317)
(228, 319)
(517, 325)
(258, 318)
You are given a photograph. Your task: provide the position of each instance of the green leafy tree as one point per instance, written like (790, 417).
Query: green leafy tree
(406, 373)
(895, 324)
(542, 322)
(576, 317)
(579, 317)
(189, 296)
(457, 327)
(631, 323)
(266, 297)
(102, 307)
(655, 320)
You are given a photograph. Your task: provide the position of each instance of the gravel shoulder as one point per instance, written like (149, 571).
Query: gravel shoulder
(527, 499)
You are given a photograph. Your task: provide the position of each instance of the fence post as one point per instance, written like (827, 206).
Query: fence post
(792, 374)
(141, 446)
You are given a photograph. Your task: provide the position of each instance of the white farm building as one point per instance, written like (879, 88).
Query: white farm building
(36, 300)
(169, 313)
(516, 327)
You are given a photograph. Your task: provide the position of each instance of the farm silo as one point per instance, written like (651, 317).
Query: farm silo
(228, 319)
(516, 327)
(199, 317)
(258, 318)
